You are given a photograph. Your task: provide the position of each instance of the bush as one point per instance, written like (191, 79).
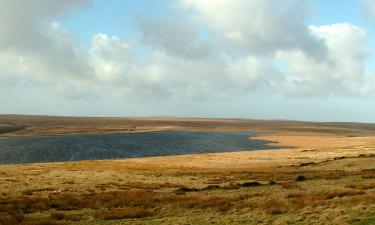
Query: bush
(301, 178)
(251, 184)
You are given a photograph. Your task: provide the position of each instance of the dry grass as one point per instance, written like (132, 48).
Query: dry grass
(290, 185)
(147, 197)
(117, 214)
(361, 186)
(111, 199)
(18, 218)
(302, 199)
(11, 217)
(274, 206)
(75, 201)
(58, 215)
(142, 185)
(220, 203)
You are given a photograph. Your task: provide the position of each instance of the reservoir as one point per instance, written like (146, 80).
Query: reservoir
(33, 149)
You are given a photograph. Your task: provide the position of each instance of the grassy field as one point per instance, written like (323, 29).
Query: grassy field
(328, 177)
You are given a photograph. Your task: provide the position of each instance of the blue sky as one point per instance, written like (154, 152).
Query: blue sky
(116, 17)
(267, 59)
(112, 17)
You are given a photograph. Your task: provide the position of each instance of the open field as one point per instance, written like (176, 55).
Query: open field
(327, 178)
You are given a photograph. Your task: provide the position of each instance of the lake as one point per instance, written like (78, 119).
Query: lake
(112, 146)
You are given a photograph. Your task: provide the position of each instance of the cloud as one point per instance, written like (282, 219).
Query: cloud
(252, 74)
(178, 38)
(369, 9)
(62, 60)
(249, 48)
(343, 74)
(157, 74)
(169, 73)
(260, 26)
(23, 23)
(110, 57)
(36, 49)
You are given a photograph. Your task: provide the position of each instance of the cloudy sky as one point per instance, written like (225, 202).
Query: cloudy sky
(265, 59)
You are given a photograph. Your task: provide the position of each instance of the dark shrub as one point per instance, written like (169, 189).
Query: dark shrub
(272, 182)
(212, 187)
(186, 189)
(301, 178)
(251, 184)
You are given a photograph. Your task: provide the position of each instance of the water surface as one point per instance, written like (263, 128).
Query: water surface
(112, 146)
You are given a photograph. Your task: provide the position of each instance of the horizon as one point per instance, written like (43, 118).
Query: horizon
(309, 60)
(182, 118)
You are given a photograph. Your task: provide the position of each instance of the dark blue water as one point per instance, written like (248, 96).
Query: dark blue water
(112, 146)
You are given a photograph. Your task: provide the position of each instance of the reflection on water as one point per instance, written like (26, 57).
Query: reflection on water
(110, 146)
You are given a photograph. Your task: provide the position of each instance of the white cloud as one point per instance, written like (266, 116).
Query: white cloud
(174, 60)
(369, 9)
(260, 26)
(342, 74)
(62, 60)
(110, 57)
(35, 48)
(251, 74)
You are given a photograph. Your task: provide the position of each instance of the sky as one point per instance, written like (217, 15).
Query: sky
(263, 59)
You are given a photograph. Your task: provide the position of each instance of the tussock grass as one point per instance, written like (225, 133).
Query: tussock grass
(302, 199)
(62, 215)
(220, 203)
(11, 217)
(361, 186)
(290, 185)
(58, 215)
(274, 206)
(75, 201)
(116, 214)
(142, 185)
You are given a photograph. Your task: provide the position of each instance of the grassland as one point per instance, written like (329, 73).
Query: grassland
(328, 177)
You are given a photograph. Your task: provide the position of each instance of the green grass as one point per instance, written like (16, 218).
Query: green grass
(370, 220)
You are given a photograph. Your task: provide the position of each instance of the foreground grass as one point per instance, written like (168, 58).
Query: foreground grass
(340, 191)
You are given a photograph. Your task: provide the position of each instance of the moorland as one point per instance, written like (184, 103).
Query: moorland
(326, 176)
